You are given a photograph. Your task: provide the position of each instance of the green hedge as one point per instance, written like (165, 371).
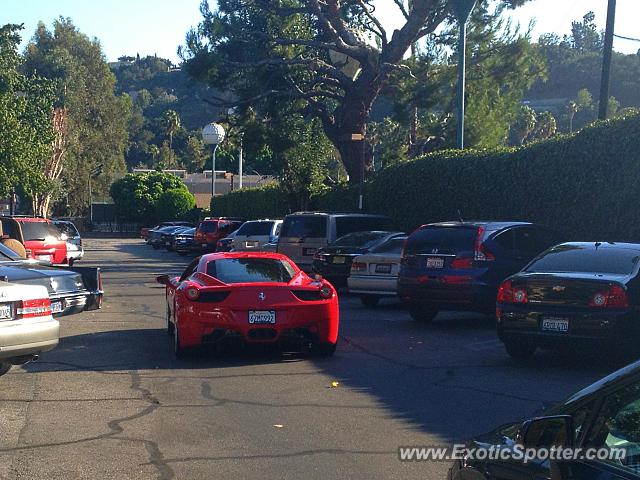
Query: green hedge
(585, 185)
(268, 201)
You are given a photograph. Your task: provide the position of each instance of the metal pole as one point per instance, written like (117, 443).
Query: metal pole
(90, 202)
(361, 173)
(213, 171)
(240, 162)
(606, 60)
(462, 44)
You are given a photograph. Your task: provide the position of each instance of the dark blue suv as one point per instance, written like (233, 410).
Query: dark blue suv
(459, 265)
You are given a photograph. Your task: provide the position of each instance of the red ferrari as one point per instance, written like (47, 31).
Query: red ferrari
(255, 297)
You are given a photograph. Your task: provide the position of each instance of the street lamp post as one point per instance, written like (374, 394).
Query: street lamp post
(213, 134)
(240, 161)
(462, 10)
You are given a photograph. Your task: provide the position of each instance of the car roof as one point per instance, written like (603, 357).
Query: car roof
(621, 375)
(487, 224)
(602, 245)
(30, 219)
(338, 214)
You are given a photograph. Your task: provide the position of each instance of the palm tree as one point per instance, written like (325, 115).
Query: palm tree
(172, 124)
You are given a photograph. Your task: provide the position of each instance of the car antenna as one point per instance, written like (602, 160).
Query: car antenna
(460, 216)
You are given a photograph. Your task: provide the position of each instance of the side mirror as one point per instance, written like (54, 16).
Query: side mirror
(163, 279)
(547, 432)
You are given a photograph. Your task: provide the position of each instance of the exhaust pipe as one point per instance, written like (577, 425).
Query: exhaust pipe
(23, 359)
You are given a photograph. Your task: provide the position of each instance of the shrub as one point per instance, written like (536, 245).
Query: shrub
(175, 204)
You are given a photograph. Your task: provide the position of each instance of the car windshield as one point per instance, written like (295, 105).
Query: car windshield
(39, 231)
(251, 270)
(208, 227)
(359, 239)
(68, 229)
(255, 228)
(586, 259)
(445, 240)
(305, 226)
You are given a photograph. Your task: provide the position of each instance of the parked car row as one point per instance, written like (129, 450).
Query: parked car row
(39, 284)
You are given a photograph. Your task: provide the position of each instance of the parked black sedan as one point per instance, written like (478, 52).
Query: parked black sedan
(334, 261)
(71, 290)
(577, 294)
(602, 417)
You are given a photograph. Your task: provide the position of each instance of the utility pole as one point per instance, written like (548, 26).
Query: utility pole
(240, 162)
(462, 10)
(606, 60)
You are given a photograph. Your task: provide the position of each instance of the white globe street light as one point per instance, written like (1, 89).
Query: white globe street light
(213, 134)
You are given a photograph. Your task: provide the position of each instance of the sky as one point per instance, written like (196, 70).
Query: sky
(148, 27)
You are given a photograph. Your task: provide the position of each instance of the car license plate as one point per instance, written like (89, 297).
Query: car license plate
(57, 307)
(339, 260)
(262, 316)
(307, 252)
(6, 311)
(251, 244)
(383, 268)
(436, 262)
(552, 324)
(46, 258)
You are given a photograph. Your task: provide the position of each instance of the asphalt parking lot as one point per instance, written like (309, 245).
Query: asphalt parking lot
(112, 402)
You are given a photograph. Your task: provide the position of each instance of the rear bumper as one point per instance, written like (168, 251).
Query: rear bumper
(77, 302)
(26, 337)
(446, 293)
(614, 328)
(373, 285)
(208, 324)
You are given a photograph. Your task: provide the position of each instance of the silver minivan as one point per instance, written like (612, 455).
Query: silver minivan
(255, 234)
(303, 233)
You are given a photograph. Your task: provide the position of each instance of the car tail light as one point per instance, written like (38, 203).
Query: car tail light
(192, 293)
(326, 292)
(462, 263)
(508, 294)
(358, 267)
(481, 252)
(40, 307)
(615, 297)
(320, 257)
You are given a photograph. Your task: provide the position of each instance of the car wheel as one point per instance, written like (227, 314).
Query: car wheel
(4, 368)
(520, 349)
(369, 300)
(178, 350)
(324, 349)
(422, 313)
(170, 326)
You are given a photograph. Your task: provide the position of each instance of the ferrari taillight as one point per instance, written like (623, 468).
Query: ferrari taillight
(326, 292)
(40, 307)
(192, 293)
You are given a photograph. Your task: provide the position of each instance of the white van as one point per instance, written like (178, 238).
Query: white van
(303, 233)
(255, 234)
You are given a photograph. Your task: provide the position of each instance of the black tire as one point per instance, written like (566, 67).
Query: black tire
(324, 349)
(178, 350)
(422, 313)
(520, 349)
(370, 300)
(4, 368)
(170, 325)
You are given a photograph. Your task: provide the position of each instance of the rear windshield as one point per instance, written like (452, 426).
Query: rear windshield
(250, 270)
(68, 229)
(255, 228)
(393, 246)
(39, 231)
(208, 227)
(575, 258)
(359, 239)
(346, 224)
(447, 240)
(305, 226)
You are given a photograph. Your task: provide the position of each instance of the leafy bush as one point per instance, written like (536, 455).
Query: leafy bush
(583, 184)
(136, 194)
(175, 204)
(268, 201)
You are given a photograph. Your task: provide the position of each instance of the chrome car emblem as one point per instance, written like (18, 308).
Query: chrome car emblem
(262, 296)
(435, 250)
(559, 288)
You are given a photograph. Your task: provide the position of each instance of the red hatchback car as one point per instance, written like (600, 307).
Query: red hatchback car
(251, 297)
(40, 237)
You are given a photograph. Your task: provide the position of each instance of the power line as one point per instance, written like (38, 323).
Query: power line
(626, 38)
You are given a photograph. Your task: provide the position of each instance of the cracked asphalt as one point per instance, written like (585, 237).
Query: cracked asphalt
(111, 401)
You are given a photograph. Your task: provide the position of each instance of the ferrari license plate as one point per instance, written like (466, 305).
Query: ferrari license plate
(6, 311)
(262, 316)
(339, 260)
(57, 307)
(435, 262)
(553, 324)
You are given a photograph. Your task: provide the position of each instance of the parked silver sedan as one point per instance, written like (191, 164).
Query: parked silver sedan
(375, 274)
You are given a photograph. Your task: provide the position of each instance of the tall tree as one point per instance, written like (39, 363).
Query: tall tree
(96, 129)
(335, 56)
